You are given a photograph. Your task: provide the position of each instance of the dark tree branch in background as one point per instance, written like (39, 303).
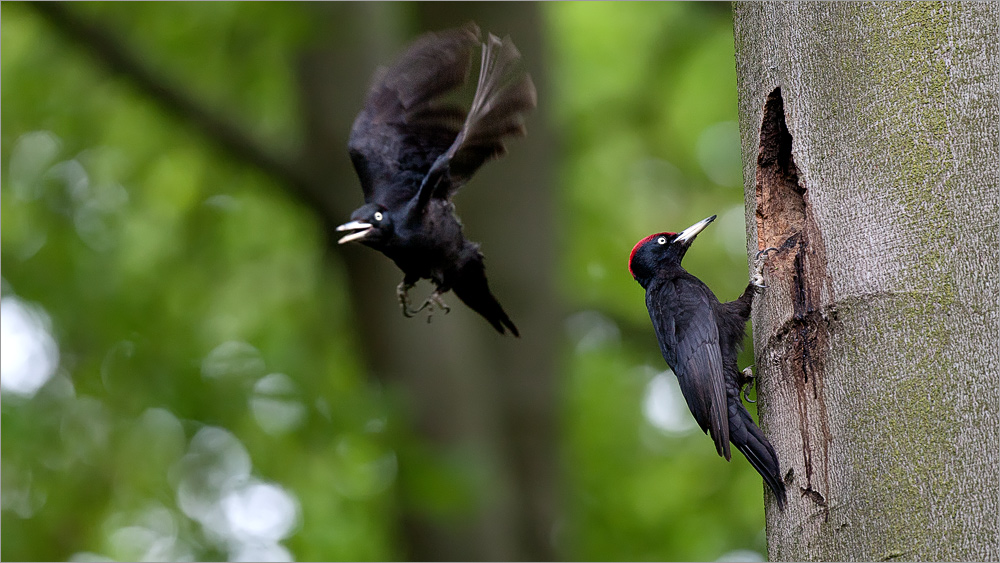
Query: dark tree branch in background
(111, 52)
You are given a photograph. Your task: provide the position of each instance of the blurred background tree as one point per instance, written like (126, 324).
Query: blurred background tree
(193, 370)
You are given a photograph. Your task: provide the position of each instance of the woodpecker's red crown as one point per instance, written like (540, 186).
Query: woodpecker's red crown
(639, 244)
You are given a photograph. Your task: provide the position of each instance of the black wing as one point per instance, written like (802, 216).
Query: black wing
(689, 340)
(504, 94)
(404, 128)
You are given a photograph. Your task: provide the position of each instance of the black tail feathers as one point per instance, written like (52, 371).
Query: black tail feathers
(749, 439)
(483, 302)
(471, 287)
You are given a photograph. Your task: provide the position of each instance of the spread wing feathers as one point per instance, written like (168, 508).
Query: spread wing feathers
(504, 94)
(403, 126)
(471, 287)
(692, 351)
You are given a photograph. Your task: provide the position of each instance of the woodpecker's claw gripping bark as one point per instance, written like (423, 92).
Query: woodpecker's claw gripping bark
(757, 278)
(746, 383)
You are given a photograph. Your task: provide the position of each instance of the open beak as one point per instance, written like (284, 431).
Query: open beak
(688, 234)
(361, 229)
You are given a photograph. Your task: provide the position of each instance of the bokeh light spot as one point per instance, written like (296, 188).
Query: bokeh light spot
(260, 512)
(29, 355)
(275, 404)
(664, 407)
(233, 359)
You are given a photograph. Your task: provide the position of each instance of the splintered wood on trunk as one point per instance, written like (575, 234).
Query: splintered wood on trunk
(796, 352)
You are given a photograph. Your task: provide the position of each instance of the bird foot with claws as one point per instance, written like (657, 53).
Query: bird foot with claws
(746, 383)
(757, 278)
(434, 300)
(404, 299)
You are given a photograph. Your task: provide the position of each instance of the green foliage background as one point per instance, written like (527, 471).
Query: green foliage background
(178, 283)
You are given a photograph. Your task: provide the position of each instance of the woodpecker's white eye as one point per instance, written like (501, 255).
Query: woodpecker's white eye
(378, 216)
(661, 240)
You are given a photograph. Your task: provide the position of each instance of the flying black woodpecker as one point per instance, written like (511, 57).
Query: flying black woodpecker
(412, 151)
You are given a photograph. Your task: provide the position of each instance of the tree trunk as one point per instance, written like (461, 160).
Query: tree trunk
(870, 142)
(472, 395)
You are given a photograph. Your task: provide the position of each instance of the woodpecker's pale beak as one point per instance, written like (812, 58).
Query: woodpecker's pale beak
(361, 228)
(688, 234)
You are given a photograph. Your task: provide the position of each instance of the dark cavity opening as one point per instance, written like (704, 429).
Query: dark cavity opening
(800, 344)
(781, 208)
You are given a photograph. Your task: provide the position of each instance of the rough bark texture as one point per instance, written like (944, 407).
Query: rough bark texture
(871, 151)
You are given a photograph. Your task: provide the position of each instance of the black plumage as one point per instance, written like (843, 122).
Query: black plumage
(413, 150)
(700, 339)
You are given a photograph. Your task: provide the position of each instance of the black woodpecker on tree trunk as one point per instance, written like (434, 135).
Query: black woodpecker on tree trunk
(412, 150)
(700, 339)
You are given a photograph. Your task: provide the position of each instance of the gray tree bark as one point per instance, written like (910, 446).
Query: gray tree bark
(871, 153)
